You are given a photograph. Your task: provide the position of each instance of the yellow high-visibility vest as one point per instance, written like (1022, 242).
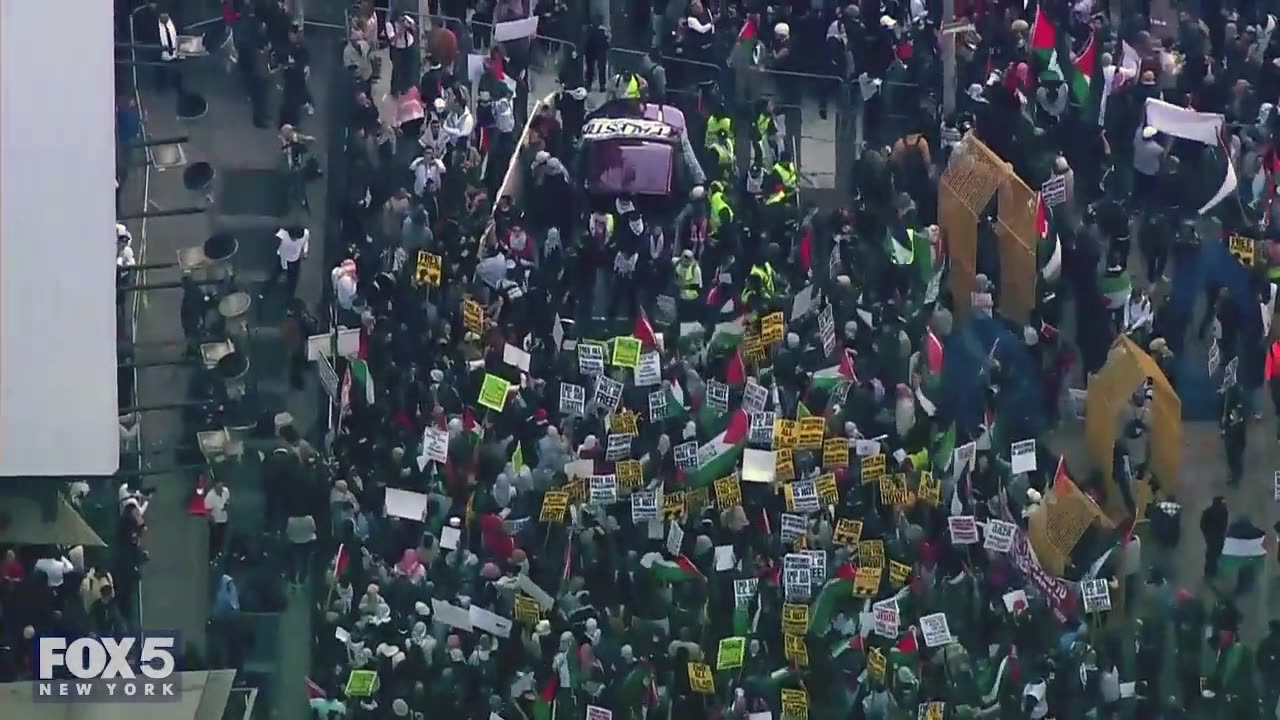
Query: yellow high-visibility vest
(686, 273)
(717, 205)
(717, 124)
(787, 175)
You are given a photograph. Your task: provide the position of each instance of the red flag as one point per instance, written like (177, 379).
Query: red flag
(846, 571)
(738, 426)
(806, 249)
(846, 366)
(736, 372)
(643, 330)
(907, 645)
(341, 560)
(468, 419)
(748, 31)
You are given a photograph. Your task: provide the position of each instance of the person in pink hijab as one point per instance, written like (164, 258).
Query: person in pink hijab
(410, 567)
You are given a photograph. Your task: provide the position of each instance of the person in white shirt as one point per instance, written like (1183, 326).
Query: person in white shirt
(167, 74)
(91, 587)
(295, 243)
(345, 284)
(216, 501)
(54, 569)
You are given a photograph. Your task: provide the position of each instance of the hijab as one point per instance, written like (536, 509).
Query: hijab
(410, 567)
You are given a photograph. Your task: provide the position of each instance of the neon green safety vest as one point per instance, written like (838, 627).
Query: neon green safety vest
(686, 273)
(717, 124)
(724, 153)
(787, 174)
(632, 91)
(765, 273)
(762, 125)
(718, 205)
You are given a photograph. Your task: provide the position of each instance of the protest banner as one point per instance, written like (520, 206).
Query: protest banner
(872, 468)
(644, 506)
(527, 610)
(624, 421)
(772, 328)
(701, 680)
(731, 652)
(936, 630)
(795, 618)
(848, 532)
(786, 434)
(590, 358)
(835, 453)
(1022, 456)
(594, 712)
(629, 475)
(802, 496)
(964, 529)
(898, 573)
(784, 467)
(886, 619)
(428, 269)
(795, 704)
(573, 399)
(493, 393)
(728, 492)
(603, 489)
(999, 536)
(554, 505)
(626, 352)
(828, 490)
(871, 553)
(812, 430)
(930, 489)
(673, 507)
(1096, 595)
(866, 581)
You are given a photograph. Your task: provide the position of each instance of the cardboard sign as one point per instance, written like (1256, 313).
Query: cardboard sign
(619, 447)
(828, 490)
(673, 507)
(648, 370)
(872, 467)
(876, 664)
(796, 651)
(964, 530)
(871, 553)
(718, 395)
(791, 527)
(754, 396)
(802, 496)
(1243, 248)
(760, 430)
(629, 475)
(728, 492)
(1022, 456)
(626, 352)
(784, 466)
(603, 489)
(866, 582)
(644, 506)
(527, 610)
(608, 393)
(1054, 190)
(427, 269)
(835, 453)
(936, 630)
(573, 399)
(473, 316)
(886, 619)
(898, 573)
(493, 393)
(361, 683)
(554, 505)
(1015, 602)
(812, 430)
(657, 406)
(930, 489)
(848, 532)
(1096, 595)
(590, 358)
(786, 434)
(686, 455)
(624, 421)
(772, 328)
(999, 536)
(795, 618)
(701, 680)
(795, 704)
(731, 652)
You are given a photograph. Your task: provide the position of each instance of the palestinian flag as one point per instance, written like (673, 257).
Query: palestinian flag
(341, 560)
(727, 336)
(944, 446)
(643, 331)
(906, 652)
(636, 687)
(747, 49)
(735, 372)
(681, 569)
(1086, 67)
(544, 705)
(1044, 46)
(835, 596)
(828, 378)
(727, 448)
(1245, 548)
(361, 376)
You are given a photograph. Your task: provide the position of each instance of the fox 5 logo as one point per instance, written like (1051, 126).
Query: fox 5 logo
(124, 668)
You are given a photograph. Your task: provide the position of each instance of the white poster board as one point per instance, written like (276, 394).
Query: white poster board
(936, 630)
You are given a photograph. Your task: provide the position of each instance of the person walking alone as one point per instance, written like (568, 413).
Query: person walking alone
(216, 501)
(1213, 526)
(294, 245)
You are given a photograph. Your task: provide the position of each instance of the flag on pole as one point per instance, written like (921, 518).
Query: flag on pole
(680, 569)
(1044, 46)
(1084, 67)
(361, 375)
(643, 330)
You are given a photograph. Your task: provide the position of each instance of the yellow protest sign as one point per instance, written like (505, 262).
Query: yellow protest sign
(876, 664)
(872, 467)
(785, 434)
(427, 268)
(554, 505)
(732, 650)
(795, 618)
(728, 492)
(866, 582)
(784, 466)
(361, 683)
(527, 610)
(473, 316)
(931, 711)
(624, 422)
(626, 352)
(893, 490)
(629, 474)
(772, 328)
(848, 532)
(700, 679)
(835, 453)
(795, 649)
(753, 350)
(1243, 248)
(673, 506)
(795, 704)
(577, 489)
(871, 553)
(828, 490)
(930, 488)
(898, 573)
(493, 393)
(695, 500)
(812, 430)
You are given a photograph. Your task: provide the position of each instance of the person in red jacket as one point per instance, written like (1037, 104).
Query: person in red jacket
(1272, 374)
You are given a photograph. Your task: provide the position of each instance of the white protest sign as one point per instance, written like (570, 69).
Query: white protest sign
(818, 564)
(827, 328)
(598, 713)
(1022, 456)
(963, 458)
(657, 406)
(675, 538)
(999, 536)
(743, 591)
(515, 357)
(759, 465)
(718, 395)
(936, 630)
(490, 622)
(573, 399)
(792, 527)
(760, 432)
(754, 396)
(804, 496)
(450, 537)
(619, 447)
(866, 448)
(608, 393)
(1096, 595)
(452, 615)
(515, 29)
(885, 616)
(603, 489)
(725, 558)
(797, 576)
(405, 504)
(686, 455)
(802, 303)
(590, 359)
(1016, 601)
(649, 370)
(964, 529)
(644, 506)
(706, 454)
(1275, 486)
(435, 444)
(1054, 190)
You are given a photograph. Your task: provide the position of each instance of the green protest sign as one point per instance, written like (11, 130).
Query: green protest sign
(360, 683)
(493, 393)
(732, 651)
(626, 352)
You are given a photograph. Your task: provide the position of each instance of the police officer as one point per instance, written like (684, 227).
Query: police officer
(720, 146)
(688, 281)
